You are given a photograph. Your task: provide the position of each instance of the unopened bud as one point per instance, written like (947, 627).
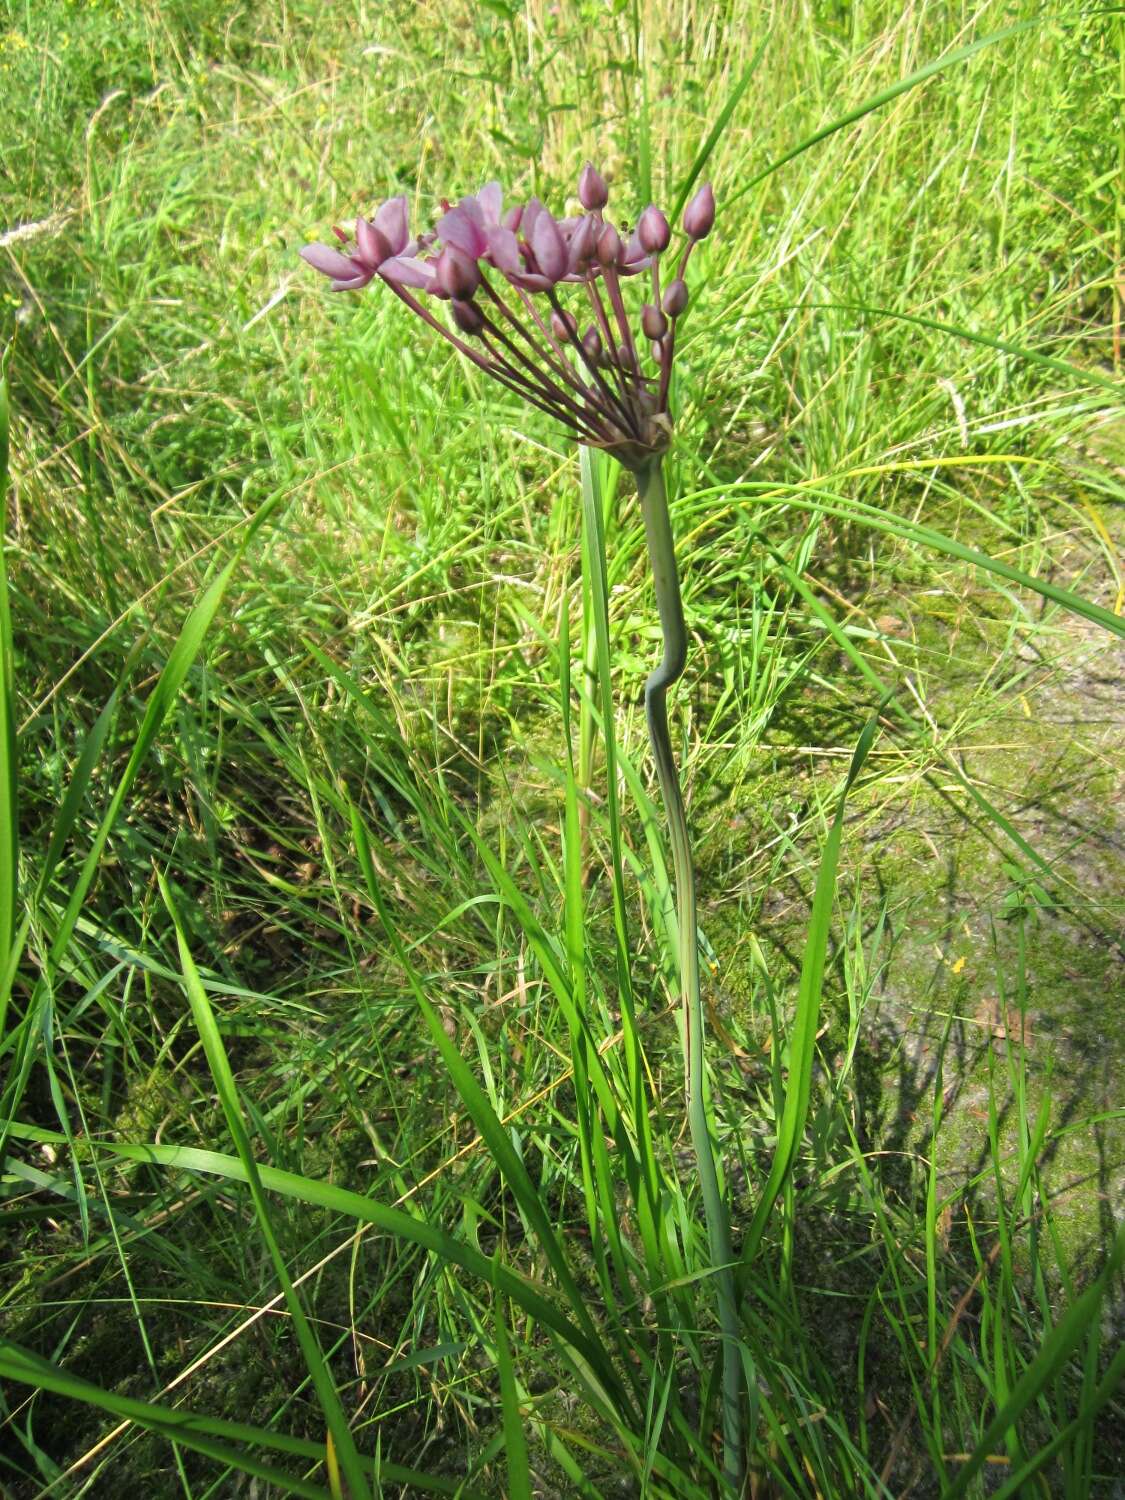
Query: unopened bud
(700, 214)
(548, 246)
(581, 244)
(609, 246)
(457, 275)
(592, 190)
(653, 321)
(626, 359)
(467, 316)
(675, 298)
(653, 231)
(592, 345)
(564, 326)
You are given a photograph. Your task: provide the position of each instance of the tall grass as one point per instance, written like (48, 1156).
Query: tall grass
(336, 834)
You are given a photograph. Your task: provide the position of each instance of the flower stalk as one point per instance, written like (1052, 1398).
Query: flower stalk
(669, 603)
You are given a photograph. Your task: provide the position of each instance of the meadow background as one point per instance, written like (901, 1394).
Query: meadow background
(921, 313)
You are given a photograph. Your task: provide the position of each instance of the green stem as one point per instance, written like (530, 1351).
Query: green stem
(662, 556)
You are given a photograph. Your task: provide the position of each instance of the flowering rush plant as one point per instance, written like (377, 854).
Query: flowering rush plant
(503, 274)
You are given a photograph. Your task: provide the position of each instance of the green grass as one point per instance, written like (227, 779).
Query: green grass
(324, 847)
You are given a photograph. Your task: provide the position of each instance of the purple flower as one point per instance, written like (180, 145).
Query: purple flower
(464, 228)
(408, 270)
(547, 244)
(393, 223)
(478, 228)
(382, 247)
(675, 298)
(596, 383)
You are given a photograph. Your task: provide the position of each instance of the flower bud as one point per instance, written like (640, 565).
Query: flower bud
(592, 345)
(675, 298)
(626, 359)
(653, 231)
(457, 275)
(653, 321)
(592, 190)
(609, 246)
(548, 246)
(564, 326)
(467, 316)
(582, 243)
(700, 214)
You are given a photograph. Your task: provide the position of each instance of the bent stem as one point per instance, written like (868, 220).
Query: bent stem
(662, 556)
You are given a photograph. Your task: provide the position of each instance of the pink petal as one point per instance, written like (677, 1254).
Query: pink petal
(530, 282)
(330, 262)
(504, 249)
(460, 228)
(491, 198)
(530, 214)
(407, 271)
(373, 246)
(581, 245)
(633, 258)
(352, 283)
(634, 252)
(470, 205)
(548, 246)
(392, 223)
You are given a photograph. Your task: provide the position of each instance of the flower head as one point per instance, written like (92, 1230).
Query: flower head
(490, 266)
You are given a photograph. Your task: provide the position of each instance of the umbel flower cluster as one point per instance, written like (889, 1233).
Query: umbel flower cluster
(501, 272)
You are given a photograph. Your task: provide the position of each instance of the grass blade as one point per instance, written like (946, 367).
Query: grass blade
(515, 1444)
(827, 502)
(859, 661)
(1099, 1397)
(487, 1123)
(160, 701)
(1056, 1349)
(208, 1435)
(802, 1045)
(722, 119)
(884, 96)
(227, 1090)
(1002, 346)
(9, 807)
(71, 805)
(356, 1206)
